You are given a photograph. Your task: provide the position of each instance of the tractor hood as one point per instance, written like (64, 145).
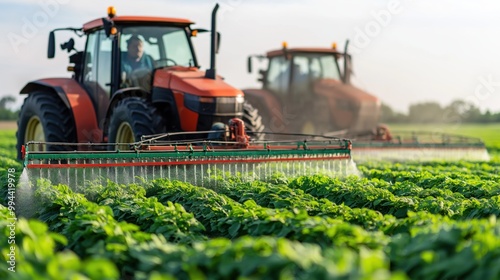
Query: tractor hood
(350, 107)
(192, 81)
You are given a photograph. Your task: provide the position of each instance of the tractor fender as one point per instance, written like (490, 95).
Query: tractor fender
(40, 85)
(75, 97)
(270, 108)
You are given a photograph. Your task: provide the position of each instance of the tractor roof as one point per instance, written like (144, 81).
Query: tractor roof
(137, 19)
(281, 52)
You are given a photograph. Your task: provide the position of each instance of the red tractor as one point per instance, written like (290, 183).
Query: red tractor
(137, 76)
(308, 91)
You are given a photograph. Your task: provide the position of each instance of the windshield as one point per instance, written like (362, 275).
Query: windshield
(162, 45)
(304, 68)
(316, 66)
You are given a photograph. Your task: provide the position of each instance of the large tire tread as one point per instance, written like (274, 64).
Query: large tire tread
(142, 116)
(253, 122)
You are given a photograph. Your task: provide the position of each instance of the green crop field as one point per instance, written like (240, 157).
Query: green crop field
(435, 220)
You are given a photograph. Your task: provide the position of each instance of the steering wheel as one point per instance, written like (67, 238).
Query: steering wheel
(159, 62)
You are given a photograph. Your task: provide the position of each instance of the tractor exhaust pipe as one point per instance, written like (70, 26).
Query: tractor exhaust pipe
(211, 73)
(347, 72)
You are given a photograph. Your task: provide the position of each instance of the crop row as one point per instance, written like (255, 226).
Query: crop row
(459, 168)
(370, 194)
(449, 250)
(426, 250)
(129, 204)
(468, 186)
(91, 230)
(281, 196)
(224, 217)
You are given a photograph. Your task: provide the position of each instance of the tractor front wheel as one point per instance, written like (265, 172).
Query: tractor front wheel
(132, 118)
(45, 118)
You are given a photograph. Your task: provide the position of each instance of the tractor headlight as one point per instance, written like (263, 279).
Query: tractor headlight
(229, 106)
(240, 99)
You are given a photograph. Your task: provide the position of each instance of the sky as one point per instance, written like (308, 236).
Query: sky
(404, 51)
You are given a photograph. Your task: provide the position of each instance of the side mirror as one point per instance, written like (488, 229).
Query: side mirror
(249, 64)
(195, 32)
(52, 45)
(218, 42)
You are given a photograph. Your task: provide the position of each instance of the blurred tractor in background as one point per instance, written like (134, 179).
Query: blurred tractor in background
(308, 91)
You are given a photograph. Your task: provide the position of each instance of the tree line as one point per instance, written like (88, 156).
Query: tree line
(7, 114)
(433, 112)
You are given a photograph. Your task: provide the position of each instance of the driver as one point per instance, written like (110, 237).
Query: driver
(135, 58)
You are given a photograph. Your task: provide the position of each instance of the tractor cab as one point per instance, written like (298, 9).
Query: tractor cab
(139, 46)
(118, 47)
(122, 52)
(292, 71)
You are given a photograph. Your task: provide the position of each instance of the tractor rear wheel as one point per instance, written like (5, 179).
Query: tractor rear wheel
(45, 118)
(253, 121)
(132, 118)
